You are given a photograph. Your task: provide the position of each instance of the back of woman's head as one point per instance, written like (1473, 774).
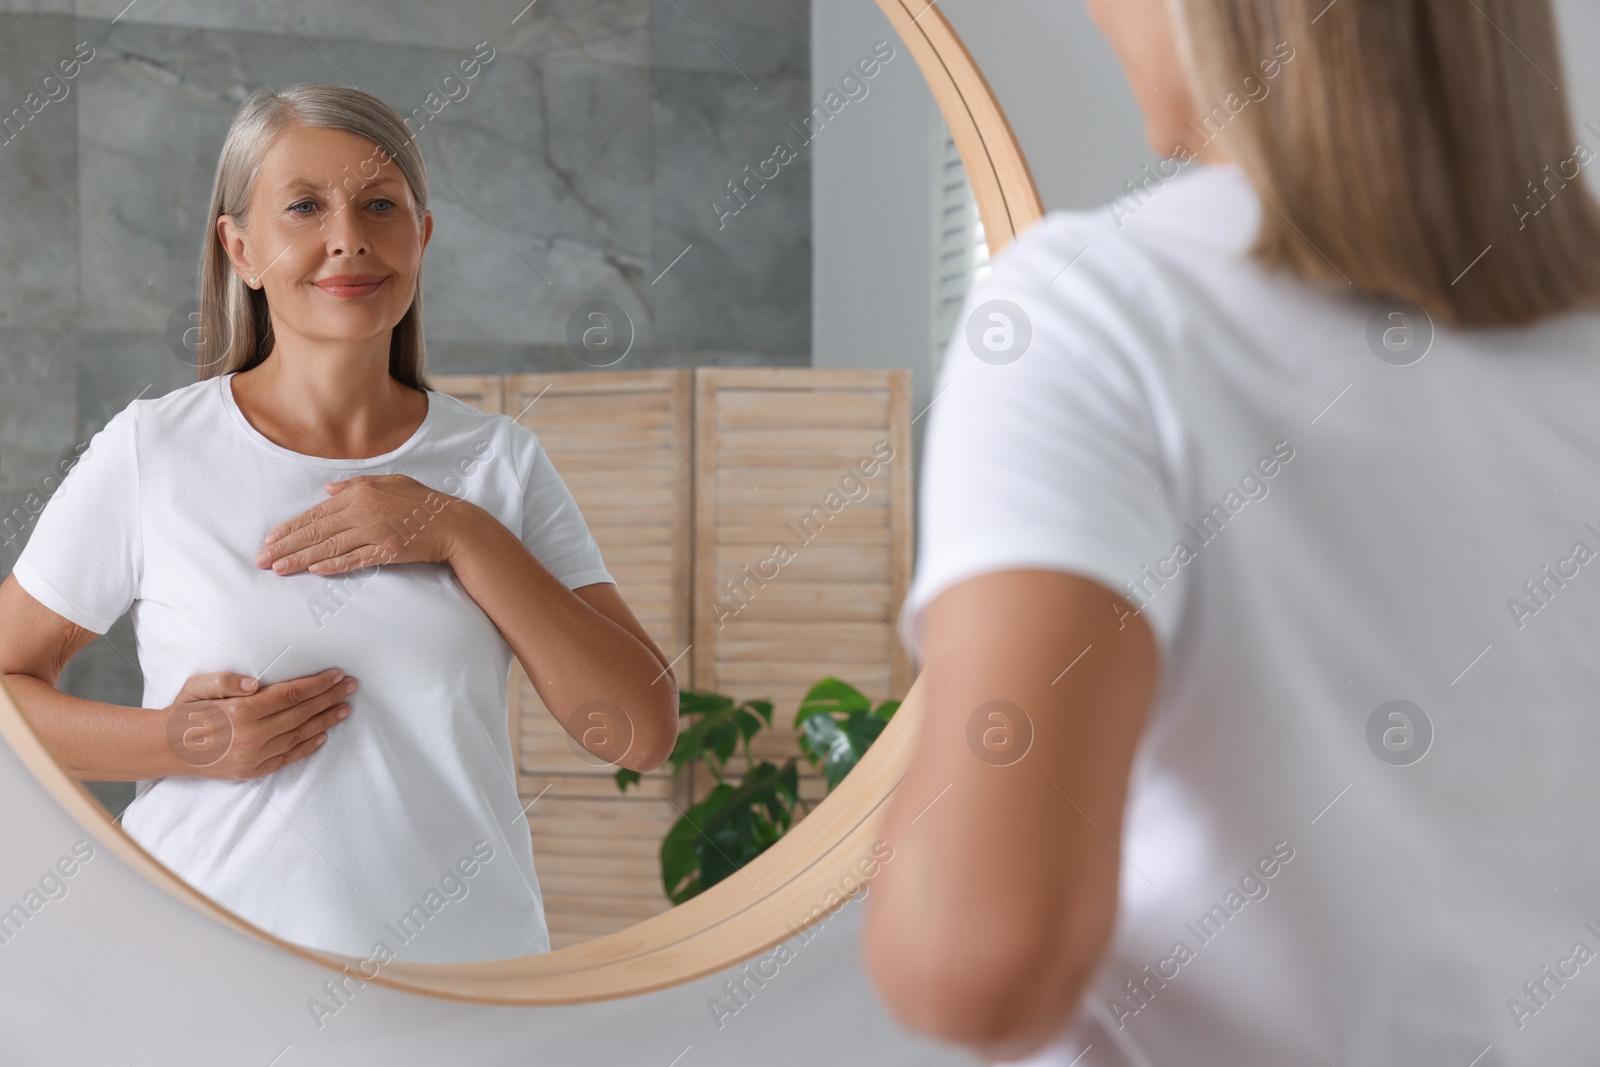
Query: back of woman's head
(1419, 149)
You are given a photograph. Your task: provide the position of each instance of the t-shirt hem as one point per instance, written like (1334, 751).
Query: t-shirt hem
(589, 577)
(52, 598)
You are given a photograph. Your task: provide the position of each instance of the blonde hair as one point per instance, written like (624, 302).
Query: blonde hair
(235, 328)
(1409, 149)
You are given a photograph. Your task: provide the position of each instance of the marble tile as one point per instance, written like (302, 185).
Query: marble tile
(537, 169)
(154, 108)
(38, 171)
(473, 357)
(38, 406)
(745, 280)
(19, 511)
(704, 357)
(107, 668)
(38, 7)
(113, 796)
(537, 202)
(610, 31)
(118, 367)
(755, 41)
(457, 356)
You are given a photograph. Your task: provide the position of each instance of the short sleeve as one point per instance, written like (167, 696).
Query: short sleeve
(85, 557)
(1051, 442)
(552, 527)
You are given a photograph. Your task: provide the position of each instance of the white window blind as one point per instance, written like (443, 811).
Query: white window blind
(962, 253)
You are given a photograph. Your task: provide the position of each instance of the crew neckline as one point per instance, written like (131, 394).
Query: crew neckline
(225, 385)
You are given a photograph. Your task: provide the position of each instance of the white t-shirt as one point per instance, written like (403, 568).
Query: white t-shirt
(405, 827)
(1325, 532)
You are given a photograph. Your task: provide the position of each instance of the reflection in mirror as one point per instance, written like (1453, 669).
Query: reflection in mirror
(686, 295)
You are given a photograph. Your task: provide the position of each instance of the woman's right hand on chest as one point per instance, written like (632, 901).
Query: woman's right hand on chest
(228, 726)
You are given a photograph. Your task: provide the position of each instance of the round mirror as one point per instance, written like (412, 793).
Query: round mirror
(710, 261)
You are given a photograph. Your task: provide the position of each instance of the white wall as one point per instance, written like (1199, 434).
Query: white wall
(1062, 88)
(872, 199)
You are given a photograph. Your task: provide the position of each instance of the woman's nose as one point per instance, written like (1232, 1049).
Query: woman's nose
(344, 229)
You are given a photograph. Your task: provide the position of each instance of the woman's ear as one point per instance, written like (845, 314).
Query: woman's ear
(232, 238)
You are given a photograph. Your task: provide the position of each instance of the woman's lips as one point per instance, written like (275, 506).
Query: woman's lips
(352, 285)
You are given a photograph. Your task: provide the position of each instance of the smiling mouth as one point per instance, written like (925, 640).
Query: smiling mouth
(350, 288)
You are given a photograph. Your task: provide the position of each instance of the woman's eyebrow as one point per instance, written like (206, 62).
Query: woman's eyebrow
(307, 183)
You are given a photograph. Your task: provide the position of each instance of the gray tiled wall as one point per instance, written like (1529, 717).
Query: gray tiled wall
(582, 163)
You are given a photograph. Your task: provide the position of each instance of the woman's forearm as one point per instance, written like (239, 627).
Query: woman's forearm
(98, 742)
(573, 653)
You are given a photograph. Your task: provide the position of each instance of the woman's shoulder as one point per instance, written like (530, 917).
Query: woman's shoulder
(1122, 270)
(459, 408)
(461, 417)
(164, 418)
(460, 423)
(1165, 213)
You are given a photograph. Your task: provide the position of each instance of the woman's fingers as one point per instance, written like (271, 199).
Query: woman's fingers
(292, 717)
(308, 729)
(295, 754)
(281, 696)
(228, 725)
(219, 685)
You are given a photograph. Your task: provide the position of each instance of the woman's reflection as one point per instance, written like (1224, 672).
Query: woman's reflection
(329, 566)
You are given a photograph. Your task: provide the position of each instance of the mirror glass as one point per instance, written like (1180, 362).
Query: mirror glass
(626, 196)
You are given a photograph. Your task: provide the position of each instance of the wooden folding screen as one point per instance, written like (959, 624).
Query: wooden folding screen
(689, 479)
(802, 557)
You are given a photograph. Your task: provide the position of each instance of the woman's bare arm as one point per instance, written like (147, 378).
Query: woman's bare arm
(583, 649)
(101, 742)
(1000, 899)
(217, 727)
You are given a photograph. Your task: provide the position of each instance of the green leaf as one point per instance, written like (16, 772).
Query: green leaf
(731, 827)
(737, 821)
(835, 695)
(682, 850)
(837, 744)
(625, 778)
(713, 734)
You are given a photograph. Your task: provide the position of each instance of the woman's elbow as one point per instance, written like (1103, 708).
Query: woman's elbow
(645, 760)
(654, 740)
(997, 988)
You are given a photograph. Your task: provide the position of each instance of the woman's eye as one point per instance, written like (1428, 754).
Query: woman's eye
(380, 200)
(302, 203)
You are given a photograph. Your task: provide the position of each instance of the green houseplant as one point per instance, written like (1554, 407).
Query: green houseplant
(739, 820)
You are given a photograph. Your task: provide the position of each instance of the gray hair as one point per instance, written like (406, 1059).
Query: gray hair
(233, 313)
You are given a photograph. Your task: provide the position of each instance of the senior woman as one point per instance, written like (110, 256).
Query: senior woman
(1257, 598)
(329, 566)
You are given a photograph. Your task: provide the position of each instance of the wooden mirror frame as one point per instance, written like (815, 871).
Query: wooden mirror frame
(794, 883)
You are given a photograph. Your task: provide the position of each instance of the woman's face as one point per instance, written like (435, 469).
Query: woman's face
(1146, 41)
(328, 205)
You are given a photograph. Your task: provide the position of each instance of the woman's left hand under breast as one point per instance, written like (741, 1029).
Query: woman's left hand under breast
(367, 520)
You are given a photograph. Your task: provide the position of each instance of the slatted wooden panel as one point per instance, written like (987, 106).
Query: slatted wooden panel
(778, 463)
(679, 509)
(621, 441)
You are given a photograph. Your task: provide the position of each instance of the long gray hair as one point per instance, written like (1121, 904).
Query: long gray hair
(235, 328)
